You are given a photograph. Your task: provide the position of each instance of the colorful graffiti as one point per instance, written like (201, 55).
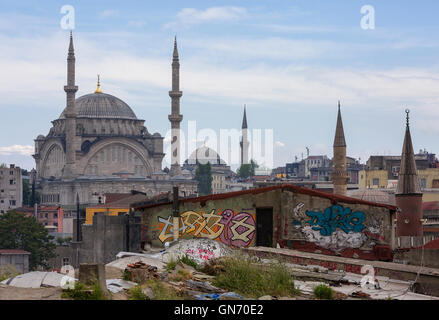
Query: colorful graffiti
(236, 229)
(336, 217)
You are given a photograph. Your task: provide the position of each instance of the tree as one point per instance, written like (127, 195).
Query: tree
(26, 193)
(247, 170)
(18, 231)
(203, 175)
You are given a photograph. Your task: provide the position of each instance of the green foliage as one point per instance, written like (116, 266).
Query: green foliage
(137, 294)
(171, 265)
(82, 292)
(203, 175)
(247, 170)
(63, 241)
(189, 261)
(26, 193)
(17, 231)
(8, 271)
(323, 291)
(162, 291)
(242, 276)
(126, 275)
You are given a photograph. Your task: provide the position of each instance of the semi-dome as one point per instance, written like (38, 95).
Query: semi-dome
(102, 105)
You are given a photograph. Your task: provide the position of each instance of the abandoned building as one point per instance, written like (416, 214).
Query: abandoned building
(284, 215)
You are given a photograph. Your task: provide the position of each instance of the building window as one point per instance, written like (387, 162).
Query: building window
(423, 183)
(11, 182)
(11, 173)
(12, 202)
(65, 261)
(376, 182)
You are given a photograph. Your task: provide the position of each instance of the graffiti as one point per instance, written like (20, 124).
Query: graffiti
(336, 217)
(204, 254)
(237, 230)
(297, 212)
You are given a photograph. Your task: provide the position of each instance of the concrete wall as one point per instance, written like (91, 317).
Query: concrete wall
(300, 221)
(101, 241)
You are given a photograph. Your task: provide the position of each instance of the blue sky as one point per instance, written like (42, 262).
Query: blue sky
(288, 61)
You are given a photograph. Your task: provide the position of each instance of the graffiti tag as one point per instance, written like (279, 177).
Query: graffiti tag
(336, 217)
(233, 229)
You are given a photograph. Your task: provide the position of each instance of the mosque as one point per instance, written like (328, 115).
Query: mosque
(98, 146)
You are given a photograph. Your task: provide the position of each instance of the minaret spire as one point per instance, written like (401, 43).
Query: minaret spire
(98, 89)
(244, 142)
(175, 117)
(339, 174)
(70, 114)
(408, 196)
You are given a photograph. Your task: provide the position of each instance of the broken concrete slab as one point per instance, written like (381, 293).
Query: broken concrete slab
(38, 279)
(117, 285)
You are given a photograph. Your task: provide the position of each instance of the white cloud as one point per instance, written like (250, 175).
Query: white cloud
(137, 23)
(279, 144)
(191, 16)
(108, 13)
(17, 149)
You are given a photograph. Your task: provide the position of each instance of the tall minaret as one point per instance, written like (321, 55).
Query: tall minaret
(339, 174)
(244, 142)
(409, 195)
(175, 117)
(70, 114)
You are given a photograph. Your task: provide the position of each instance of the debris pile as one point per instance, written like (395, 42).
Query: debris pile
(140, 272)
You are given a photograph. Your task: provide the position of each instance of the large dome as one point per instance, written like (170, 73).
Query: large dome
(102, 105)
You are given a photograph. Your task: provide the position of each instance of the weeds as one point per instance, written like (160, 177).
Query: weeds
(323, 291)
(81, 292)
(242, 276)
(8, 271)
(171, 265)
(164, 292)
(137, 294)
(181, 275)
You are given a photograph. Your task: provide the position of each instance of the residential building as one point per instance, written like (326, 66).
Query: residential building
(11, 188)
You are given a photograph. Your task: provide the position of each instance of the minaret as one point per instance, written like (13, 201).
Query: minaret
(175, 117)
(408, 194)
(339, 174)
(70, 114)
(244, 142)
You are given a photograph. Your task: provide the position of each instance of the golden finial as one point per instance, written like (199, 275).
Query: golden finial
(98, 89)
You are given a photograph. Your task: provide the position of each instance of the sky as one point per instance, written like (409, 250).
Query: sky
(289, 62)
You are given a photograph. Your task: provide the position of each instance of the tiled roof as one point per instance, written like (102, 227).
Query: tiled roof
(430, 205)
(288, 187)
(13, 251)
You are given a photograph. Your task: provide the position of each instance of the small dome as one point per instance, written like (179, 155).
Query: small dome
(102, 105)
(373, 195)
(204, 155)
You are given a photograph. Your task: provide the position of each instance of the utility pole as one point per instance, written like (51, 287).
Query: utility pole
(78, 233)
(175, 213)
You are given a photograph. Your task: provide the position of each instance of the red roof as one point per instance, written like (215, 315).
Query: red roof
(288, 187)
(434, 244)
(111, 197)
(13, 251)
(430, 205)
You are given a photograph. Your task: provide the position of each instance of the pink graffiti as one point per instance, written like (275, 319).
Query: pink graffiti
(204, 254)
(239, 230)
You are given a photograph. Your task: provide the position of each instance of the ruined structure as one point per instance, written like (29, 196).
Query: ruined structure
(293, 217)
